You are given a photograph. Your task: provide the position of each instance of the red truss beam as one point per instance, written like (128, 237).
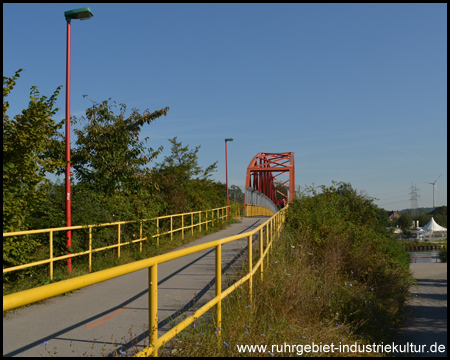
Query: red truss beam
(263, 170)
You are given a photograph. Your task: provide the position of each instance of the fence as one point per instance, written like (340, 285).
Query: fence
(270, 228)
(163, 225)
(256, 198)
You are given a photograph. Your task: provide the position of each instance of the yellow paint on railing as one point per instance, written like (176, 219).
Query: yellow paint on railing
(257, 210)
(119, 244)
(271, 227)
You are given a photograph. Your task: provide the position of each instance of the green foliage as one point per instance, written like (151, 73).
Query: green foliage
(283, 189)
(236, 194)
(27, 142)
(184, 185)
(440, 216)
(346, 233)
(404, 221)
(334, 276)
(108, 155)
(109, 162)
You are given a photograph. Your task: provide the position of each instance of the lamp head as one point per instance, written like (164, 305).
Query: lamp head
(81, 14)
(229, 139)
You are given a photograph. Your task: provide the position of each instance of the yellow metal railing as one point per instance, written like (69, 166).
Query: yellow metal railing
(204, 218)
(268, 231)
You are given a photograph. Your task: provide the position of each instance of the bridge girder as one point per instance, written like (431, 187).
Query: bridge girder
(263, 170)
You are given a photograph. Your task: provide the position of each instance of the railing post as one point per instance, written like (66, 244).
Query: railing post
(192, 224)
(153, 307)
(267, 244)
(118, 235)
(261, 252)
(51, 255)
(90, 249)
(250, 267)
(171, 228)
(218, 287)
(200, 221)
(272, 226)
(140, 236)
(157, 231)
(182, 226)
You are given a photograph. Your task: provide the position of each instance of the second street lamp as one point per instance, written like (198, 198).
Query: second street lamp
(226, 167)
(81, 14)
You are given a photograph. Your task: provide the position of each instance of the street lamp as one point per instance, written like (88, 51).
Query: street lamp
(226, 166)
(81, 14)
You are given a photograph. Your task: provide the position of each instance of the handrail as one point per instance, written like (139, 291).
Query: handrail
(119, 244)
(271, 227)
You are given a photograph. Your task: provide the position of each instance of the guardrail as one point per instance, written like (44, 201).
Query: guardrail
(209, 217)
(270, 228)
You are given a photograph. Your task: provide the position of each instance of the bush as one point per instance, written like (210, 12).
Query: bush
(335, 275)
(365, 269)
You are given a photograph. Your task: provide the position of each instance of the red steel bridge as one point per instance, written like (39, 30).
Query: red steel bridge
(264, 171)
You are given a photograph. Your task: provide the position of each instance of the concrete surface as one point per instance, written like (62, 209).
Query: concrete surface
(427, 329)
(113, 315)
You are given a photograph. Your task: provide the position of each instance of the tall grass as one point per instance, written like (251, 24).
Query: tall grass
(335, 276)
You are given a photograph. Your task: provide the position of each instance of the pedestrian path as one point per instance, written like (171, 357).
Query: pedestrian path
(427, 329)
(111, 317)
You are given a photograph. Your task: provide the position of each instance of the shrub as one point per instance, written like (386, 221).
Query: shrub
(365, 269)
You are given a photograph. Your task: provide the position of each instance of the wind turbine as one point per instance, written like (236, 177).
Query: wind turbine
(434, 186)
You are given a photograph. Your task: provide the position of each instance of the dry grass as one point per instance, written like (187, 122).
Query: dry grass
(306, 297)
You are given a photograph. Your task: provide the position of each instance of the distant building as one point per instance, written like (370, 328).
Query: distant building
(393, 215)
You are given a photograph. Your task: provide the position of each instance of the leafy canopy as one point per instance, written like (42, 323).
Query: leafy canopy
(27, 142)
(184, 185)
(108, 154)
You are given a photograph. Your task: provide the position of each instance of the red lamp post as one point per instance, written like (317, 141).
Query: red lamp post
(226, 166)
(82, 14)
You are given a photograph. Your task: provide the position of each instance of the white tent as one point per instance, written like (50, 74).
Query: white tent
(433, 226)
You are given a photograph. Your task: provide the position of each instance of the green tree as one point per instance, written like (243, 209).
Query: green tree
(184, 184)
(28, 140)
(423, 219)
(236, 194)
(108, 154)
(440, 215)
(405, 221)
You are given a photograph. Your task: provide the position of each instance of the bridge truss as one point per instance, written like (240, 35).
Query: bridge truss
(264, 170)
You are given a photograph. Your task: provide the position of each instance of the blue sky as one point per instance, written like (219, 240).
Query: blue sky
(358, 92)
